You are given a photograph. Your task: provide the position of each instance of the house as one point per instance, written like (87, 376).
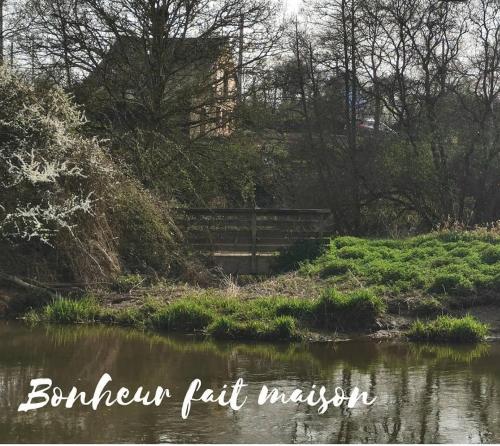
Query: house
(187, 85)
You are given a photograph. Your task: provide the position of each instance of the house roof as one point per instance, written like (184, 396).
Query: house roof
(173, 51)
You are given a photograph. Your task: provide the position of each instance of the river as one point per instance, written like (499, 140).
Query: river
(424, 393)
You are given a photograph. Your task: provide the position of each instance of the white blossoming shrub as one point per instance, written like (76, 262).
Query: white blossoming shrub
(63, 204)
(45, 165)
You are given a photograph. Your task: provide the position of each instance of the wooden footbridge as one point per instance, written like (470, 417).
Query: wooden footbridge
(245, 241)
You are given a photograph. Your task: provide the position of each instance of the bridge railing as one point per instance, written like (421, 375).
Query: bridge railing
(253, 231)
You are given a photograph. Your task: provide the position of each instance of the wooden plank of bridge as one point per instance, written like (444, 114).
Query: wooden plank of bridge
(254, 232)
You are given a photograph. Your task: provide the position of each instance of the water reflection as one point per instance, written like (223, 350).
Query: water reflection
(424, 393)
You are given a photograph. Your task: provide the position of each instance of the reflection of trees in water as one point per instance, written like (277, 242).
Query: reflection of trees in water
(425, 393)
(485, 392)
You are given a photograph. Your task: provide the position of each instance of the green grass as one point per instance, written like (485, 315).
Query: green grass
(67, 311)
(442, 263)
(265, 318)
(125, 283)
(449, 329)
(432, 272)
(358, 309)
(279, 329)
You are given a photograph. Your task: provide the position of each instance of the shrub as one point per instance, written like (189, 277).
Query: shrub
(146, 233)
(67, 212)
(54, 187)
(449, 329)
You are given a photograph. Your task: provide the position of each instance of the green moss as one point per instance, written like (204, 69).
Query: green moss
(449, 329)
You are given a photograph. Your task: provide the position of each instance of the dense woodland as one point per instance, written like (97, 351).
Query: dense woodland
(385, 111)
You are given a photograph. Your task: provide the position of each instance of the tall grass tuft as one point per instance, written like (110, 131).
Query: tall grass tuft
(358, 309)
(449, 329)
(183, 315)
(67, 311)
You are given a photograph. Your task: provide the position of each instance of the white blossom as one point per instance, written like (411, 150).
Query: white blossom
(46, 168)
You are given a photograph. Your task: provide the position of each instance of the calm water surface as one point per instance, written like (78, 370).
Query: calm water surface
(424, 394)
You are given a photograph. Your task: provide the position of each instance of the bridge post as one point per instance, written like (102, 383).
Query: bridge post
(254, 242)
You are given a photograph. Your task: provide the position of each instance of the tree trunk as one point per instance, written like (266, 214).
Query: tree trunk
(2, 3)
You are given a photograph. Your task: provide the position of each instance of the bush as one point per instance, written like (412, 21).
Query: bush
(449, 329)
(53, 188)
(147, 235)
(67, 212)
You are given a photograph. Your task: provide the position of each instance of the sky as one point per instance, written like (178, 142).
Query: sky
(292, 6)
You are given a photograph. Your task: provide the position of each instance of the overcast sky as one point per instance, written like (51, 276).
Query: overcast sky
(292, 6)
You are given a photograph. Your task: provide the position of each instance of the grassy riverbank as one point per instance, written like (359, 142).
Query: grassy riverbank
(265, 318)
(447, 264)
(354, 285)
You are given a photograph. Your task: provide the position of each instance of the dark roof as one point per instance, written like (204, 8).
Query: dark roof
(175, 50)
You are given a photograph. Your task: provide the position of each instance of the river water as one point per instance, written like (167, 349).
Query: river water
(424, 393)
